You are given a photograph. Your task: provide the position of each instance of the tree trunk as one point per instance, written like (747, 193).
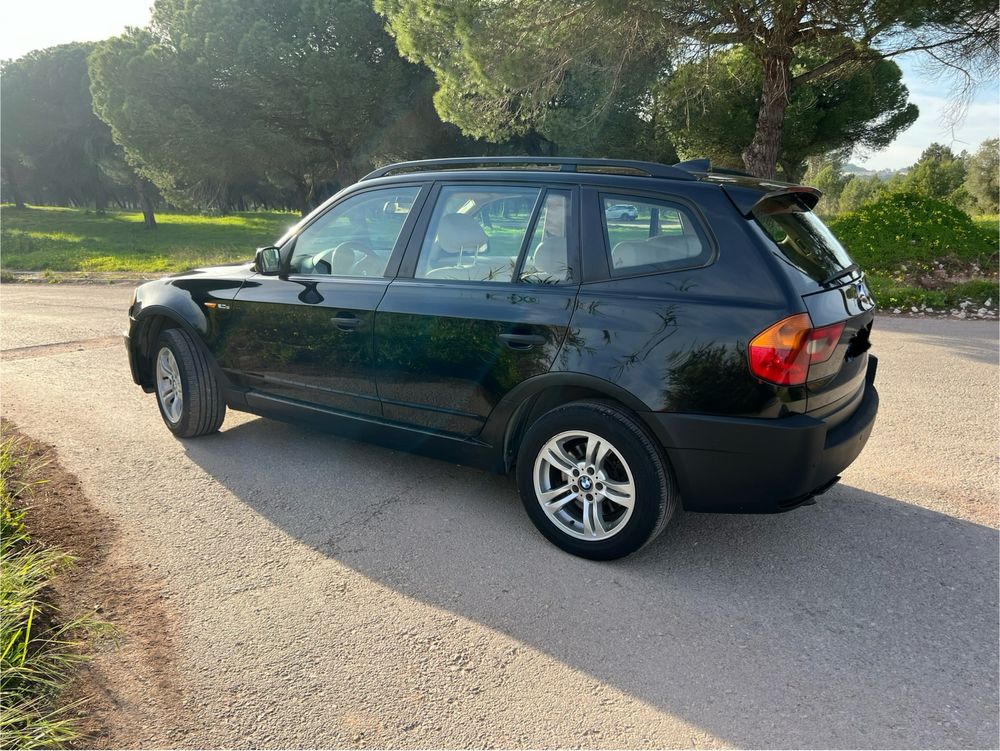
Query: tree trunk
(9, 169)
(306, 193)
(792, 172)
(761, 156)
(145, 203)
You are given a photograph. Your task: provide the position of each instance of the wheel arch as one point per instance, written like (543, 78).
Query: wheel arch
(536, 396)
(150, 322)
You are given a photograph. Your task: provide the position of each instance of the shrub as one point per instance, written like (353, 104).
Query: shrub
(909, 228)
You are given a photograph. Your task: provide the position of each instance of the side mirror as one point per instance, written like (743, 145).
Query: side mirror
(267, 261)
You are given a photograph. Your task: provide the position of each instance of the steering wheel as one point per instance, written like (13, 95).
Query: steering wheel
(369, 259)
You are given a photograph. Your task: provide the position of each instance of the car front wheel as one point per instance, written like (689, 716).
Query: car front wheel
(187, 392)
(593, 481)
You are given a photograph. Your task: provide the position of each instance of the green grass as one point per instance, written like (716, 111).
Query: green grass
(59, 239)
(37, 652)
(990, 225)
(893, 294)
(896, 240)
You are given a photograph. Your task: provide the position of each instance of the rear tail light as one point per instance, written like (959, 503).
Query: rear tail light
(783, 353)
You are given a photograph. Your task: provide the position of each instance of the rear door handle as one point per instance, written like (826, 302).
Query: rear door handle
(522, 341)
(346, 321)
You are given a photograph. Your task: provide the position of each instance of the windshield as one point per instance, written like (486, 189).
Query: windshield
(802, 240)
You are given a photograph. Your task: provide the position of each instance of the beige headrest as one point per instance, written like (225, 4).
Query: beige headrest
(550, 257)
(457, 232)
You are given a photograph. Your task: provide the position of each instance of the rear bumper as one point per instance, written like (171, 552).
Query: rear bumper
(746, 465)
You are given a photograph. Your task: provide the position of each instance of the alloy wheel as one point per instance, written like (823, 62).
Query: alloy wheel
(584, 485)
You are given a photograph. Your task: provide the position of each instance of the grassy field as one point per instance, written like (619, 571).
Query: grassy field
(58, 239)
(37, 651)
(882, 241)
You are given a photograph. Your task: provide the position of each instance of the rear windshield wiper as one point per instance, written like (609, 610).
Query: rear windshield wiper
(837, 274)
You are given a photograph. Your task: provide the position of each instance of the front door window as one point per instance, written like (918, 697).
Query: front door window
(356, 237)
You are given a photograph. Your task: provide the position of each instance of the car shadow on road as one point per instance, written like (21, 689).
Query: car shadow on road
(861, 621)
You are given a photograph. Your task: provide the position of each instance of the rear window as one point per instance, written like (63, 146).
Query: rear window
(802, 239)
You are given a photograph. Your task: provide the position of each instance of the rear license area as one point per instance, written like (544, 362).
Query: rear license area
(836, 385)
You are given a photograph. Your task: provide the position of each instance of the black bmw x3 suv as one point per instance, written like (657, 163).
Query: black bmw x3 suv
(709, 352)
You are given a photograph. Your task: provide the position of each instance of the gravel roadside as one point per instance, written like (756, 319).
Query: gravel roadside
(318, 604)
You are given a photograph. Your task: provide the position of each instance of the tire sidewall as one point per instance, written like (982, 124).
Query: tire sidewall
(653, 497)
(176, 345)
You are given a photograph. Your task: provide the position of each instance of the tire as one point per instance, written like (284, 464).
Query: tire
(178, 361)
(629, 465)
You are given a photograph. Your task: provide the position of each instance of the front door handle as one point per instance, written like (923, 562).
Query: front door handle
(346, 321)
(522, 341)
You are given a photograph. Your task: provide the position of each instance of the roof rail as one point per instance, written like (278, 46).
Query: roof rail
(565, 164)
(703, 165)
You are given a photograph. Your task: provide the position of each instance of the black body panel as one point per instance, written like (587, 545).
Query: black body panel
(457, 369)
(449, 351)
(310, 340)
(743, 466)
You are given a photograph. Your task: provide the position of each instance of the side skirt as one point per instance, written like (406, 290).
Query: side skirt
(470, 452)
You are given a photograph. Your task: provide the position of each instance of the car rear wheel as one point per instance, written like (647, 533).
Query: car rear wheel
(593, 481)
(187, 393)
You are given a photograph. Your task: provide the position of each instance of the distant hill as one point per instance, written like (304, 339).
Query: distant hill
(853, 169)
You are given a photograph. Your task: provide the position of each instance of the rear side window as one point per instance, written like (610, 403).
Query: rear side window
(477, 232)
(802, 240)
(645, 235)
(492, 233)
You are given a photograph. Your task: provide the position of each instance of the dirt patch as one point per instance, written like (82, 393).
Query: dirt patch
(45, 350)
(131, 685)
(80, 277)
(946, 271)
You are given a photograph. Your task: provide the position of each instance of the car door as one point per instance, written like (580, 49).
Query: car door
(482, 302)
(307, 334)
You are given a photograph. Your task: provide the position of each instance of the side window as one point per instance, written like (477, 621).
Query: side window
(355, 237)
(645, 235)
(547, 257)
(476, 233)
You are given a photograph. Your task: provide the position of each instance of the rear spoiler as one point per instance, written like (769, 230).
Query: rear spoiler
(746, 199)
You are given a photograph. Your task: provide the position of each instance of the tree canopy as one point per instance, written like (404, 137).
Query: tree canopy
(55, 150)
(938, 173)
(219, 97)
(709, 109)
(236, 103)
(981, 181)
(501, 67)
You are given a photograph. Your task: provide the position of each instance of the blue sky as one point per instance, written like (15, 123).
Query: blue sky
(931, 95)
(42, 23)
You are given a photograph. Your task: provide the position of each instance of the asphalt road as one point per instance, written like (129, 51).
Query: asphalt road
(331, 593)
